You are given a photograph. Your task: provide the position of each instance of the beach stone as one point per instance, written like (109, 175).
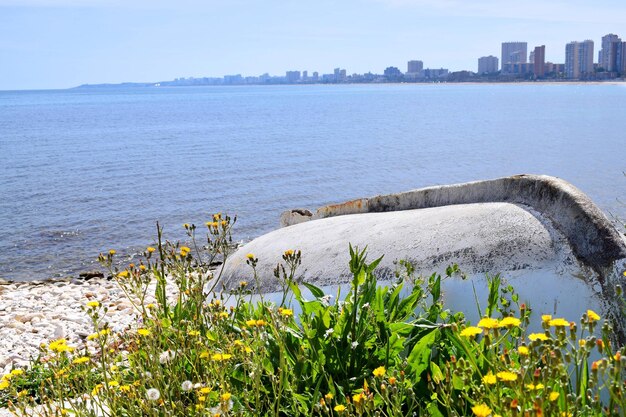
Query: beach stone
(87, 275)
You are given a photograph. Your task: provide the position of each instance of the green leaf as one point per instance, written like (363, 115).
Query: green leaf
(318, 293)
(433, 410)
(296, 290)
(584, 381)
(419, 357)
(436, 373)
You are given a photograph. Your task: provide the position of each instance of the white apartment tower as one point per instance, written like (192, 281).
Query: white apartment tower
(578, 59)
(514, 53)
(487, 64)
(607, 56)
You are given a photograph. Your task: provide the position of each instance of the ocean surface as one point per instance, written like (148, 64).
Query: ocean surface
(86, 170)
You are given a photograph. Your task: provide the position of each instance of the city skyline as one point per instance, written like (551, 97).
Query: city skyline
(64, 43)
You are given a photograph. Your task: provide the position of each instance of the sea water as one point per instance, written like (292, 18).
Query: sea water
(86, 170)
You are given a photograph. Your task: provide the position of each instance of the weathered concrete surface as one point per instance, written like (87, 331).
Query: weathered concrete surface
(592, 237)
(486, 237)
(559, 249)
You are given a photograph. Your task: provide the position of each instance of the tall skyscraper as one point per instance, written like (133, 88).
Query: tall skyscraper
(513, 53)
(414, 67)
(620, 58)
(539, 61)
(607, 56)
(487, 64)
(578, 59)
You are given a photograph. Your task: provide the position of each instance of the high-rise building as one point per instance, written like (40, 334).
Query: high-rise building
(620, 58)
(513, 53)
(578, 59)
(539, 61)
(607, 56)
(487, 64)
(414, 67)
(292, 76)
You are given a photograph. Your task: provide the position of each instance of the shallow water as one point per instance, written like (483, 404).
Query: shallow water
(82, 171)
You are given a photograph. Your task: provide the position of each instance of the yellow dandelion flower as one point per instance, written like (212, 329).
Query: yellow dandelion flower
(112, 252)
(150, 249)
(123, 274)
(488, 323)
(340, 408)
(205, 390)
(142, 267)
(82, 359)
(144, 332)
(481, 410)
(289, 252)
(582, 343)
(592, 316)
(92, 336)
(554, 396)
(558, 323)
(17, 372)
(471, 331)
(193, 333)
(93, 304)
(202, 398)
(250, 256)
(221, 356)
(509, 322)
(329, 396)
(4, 384)
(223, 314)
(537, 336)
(287, 312)
(546, 318)
(379, 372)
(523, 350)
(184, 251)
(392, 380)
(114, 384)
(357, 398)
(490, 379)
(204, 354)
(125, 388)
(507, 376)
(96, 390)
(225, 396)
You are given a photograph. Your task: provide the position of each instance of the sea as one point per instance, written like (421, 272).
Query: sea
(86, 170)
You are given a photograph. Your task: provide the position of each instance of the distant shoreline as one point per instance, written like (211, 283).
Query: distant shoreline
(521, 82)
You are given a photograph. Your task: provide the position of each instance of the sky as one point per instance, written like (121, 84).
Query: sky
(49, 44)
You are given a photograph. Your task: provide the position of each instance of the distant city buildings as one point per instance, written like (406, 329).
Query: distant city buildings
(487, 65)
(513, 53)
(607, 55)
(539, 61)
(579, 59)
(292, 76)
(414, 67)
(515, 64)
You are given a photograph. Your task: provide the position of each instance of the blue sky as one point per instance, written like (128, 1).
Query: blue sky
(64, 43)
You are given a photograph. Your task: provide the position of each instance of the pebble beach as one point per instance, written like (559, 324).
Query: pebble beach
(37, 312)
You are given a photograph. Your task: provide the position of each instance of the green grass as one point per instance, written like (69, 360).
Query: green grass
(375, 351)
